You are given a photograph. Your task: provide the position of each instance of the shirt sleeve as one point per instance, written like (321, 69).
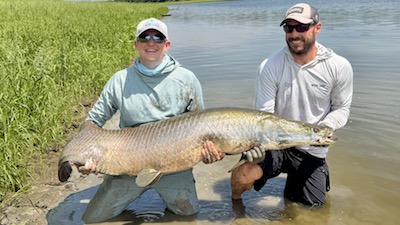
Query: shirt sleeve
(266, 89)
(341, 97)
(105, 106)
(196, 100)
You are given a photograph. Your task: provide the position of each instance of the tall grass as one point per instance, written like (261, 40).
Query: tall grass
(53, 56)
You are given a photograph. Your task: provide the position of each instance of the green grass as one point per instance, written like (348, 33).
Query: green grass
(54, 56)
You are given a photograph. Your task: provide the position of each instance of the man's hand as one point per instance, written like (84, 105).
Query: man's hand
(254, 155)
(210, 154)
(89, 167)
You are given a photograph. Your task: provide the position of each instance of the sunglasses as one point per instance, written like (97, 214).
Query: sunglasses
(156, 38)
(299, 28)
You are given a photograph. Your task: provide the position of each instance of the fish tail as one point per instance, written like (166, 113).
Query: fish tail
(64, 171)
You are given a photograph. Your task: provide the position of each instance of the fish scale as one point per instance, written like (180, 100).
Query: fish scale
(175, 144)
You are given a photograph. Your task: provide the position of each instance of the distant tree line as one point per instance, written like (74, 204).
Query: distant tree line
(146, 0)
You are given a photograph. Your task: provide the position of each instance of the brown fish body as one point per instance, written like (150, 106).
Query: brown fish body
(175, 144)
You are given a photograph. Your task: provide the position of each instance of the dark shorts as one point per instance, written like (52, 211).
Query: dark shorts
(307, 176)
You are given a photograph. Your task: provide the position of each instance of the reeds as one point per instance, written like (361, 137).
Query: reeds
(54, 55)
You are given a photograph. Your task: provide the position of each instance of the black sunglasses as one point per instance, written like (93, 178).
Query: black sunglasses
(156, 38)
(299, 27)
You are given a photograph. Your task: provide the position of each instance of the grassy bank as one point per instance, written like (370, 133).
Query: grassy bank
(55, 55)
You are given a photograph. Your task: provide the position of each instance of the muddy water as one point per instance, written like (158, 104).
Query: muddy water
(223, 43)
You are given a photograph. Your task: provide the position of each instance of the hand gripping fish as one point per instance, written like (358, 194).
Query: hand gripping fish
(175, 144)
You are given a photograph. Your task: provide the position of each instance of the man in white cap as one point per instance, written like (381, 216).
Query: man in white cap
(304, 81)
(154, 87)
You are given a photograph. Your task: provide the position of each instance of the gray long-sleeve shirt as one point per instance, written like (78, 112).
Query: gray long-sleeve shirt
(319, 92)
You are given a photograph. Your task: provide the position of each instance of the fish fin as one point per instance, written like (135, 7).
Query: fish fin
(147, 177)
(64, 171)
(241, 162)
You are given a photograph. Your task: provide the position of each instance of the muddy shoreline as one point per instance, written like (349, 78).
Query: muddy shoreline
(45, 193)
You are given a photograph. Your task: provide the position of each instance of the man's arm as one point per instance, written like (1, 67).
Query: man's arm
(265, 89)
(341, 97)
(105, 107)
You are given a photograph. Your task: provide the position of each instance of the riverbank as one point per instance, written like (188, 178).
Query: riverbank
(53, 70)
(57, 69)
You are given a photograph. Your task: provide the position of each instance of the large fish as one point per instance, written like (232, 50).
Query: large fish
(175, 144)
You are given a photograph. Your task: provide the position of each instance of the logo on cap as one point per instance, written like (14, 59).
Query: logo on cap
(295, 10)
(152, 23)
(302, 13)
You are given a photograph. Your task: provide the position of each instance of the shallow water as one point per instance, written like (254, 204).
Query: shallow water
(223, 43)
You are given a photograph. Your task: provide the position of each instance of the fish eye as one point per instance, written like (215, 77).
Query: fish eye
(316, 129)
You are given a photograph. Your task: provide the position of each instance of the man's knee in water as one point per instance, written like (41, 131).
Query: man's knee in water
(243, 178)
(182, 202)
(183, 207)
(246, 174)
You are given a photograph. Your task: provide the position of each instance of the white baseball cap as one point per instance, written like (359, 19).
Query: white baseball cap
(302, 13)
(152, 24)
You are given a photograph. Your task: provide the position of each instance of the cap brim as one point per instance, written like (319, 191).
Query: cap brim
(151, 28)
(298, 19)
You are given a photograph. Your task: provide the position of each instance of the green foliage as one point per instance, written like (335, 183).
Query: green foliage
(54, 55)
(167, 1)
(142, 0)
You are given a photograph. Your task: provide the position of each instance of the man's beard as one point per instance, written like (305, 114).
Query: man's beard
(306, 48)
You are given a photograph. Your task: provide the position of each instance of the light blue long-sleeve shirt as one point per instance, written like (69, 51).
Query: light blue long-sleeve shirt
(142, 98)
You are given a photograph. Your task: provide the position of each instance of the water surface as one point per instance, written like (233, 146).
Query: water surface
(224, 42)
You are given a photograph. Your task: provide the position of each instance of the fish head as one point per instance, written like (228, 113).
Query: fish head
(280, 133)
(322, 136)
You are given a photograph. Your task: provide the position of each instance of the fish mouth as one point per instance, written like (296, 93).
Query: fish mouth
(333, 138)
(330, 136)
(326, 141)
